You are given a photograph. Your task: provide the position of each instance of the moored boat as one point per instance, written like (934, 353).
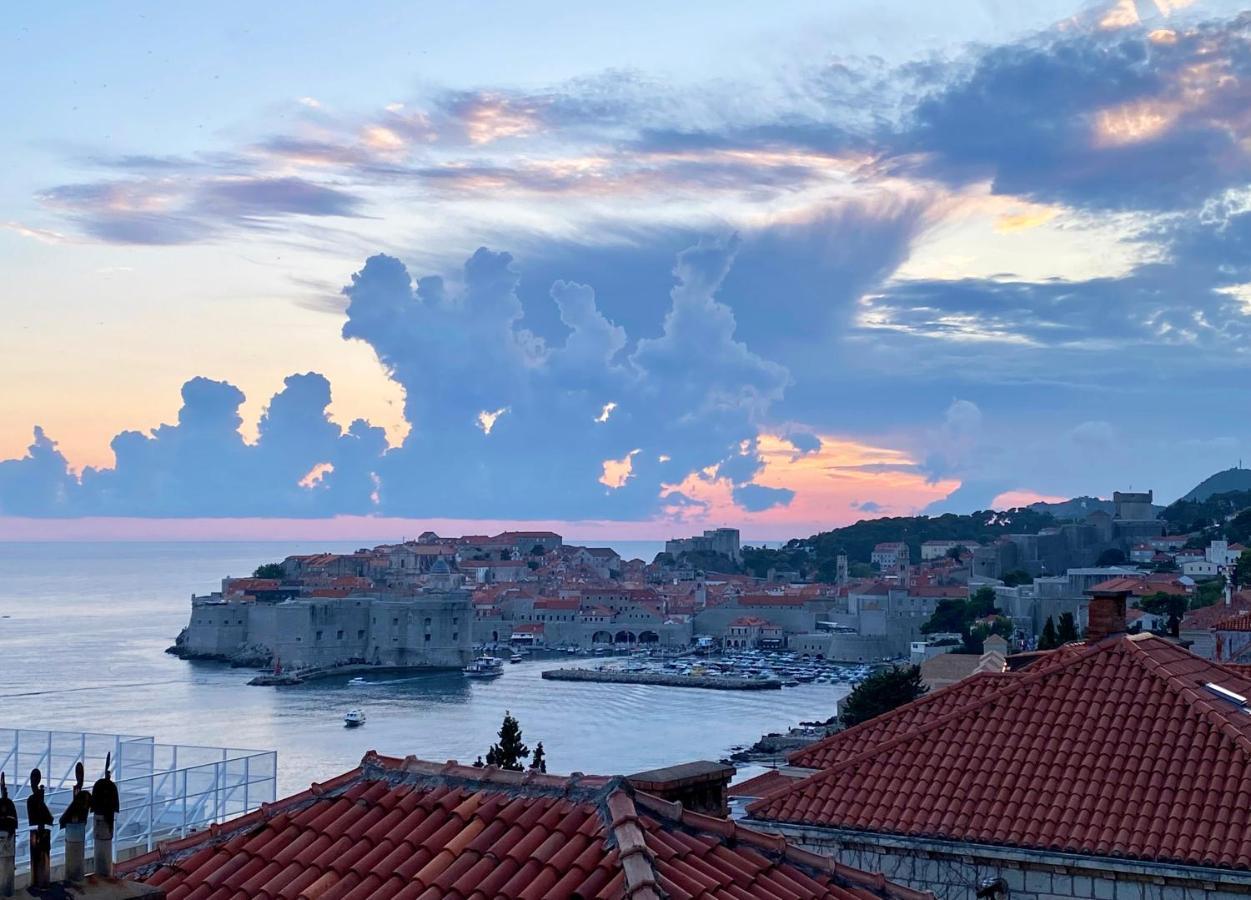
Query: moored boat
(354, 718)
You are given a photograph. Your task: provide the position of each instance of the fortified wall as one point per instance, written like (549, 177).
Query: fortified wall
(431, 629)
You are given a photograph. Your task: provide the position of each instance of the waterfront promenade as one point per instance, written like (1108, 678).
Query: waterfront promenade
(620, 676)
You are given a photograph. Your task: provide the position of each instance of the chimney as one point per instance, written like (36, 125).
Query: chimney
(1106, 615)
(701, 787)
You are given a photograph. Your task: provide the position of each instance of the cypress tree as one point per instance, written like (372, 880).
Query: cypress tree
(539, 762)
(1068, 628)
(510, 751)
(1048, 640)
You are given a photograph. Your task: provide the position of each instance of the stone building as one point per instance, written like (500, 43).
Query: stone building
(1115, 768)
(724, 541)
(432, 628)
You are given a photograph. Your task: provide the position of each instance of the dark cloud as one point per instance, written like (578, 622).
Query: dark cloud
(758, 497)
(274, 197)
(165, 209)
(869, 506)
(804, 442)
(1185, 304)
(504, 423)
(39, 483)
(1127, 119)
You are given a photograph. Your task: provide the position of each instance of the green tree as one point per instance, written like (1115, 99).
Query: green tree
(1017, 578)
(1048, 640)
(975, 638)
(1113, 556)
(1208, 593)
(1068, 628)
(860, 570)
(269, 570)
(956, 552)
(537, 550)
(1242, 570)
(982, 603)
(509, 751)
(1173, 606)
(880, 693)
(949, 616)
(539, 763)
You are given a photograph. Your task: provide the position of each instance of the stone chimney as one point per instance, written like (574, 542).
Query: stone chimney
(701, 787)
(1106, 615)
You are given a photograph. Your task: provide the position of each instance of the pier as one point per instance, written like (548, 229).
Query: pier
(710, 682)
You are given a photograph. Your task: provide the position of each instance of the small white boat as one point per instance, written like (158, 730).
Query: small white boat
(354, 718)
(515, 658)
(356, 681)
(484, 667)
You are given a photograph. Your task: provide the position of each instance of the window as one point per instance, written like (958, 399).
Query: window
(317, 636)
(360, 633)
(455, 635)
(427, 621)
(455, 621)
(427, 637)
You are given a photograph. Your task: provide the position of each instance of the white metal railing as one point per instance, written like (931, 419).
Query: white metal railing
(166, 790)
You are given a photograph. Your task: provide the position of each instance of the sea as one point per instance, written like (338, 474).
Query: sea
(83, 633)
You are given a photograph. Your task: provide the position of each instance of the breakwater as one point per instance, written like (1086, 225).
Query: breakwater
(710, 682)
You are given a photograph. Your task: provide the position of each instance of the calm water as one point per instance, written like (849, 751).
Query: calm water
(85, 626)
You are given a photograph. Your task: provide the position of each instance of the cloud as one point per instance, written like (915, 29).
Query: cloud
(688, 398)
(868, 506)
(1094, 119)
(178, 209)
(758, 497)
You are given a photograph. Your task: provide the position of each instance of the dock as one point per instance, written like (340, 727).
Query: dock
(709, 682)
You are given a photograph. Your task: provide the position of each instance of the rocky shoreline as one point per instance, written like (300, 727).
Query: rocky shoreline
(775, 745)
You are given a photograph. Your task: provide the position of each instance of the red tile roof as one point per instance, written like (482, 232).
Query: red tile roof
(1205, 617)
(844, 745)
(406, 829)
(771, 600)
(1114, 749)
(762, 785)
(1237, 622)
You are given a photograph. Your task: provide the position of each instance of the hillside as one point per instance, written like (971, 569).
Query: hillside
(816, 556)
(1077, 508)
(1228, 481)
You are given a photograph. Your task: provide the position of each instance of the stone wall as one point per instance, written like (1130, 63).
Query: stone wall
(430, 629)
(953, 871)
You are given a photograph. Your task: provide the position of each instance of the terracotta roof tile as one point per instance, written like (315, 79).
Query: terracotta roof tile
(403, 829)
(1114, 749)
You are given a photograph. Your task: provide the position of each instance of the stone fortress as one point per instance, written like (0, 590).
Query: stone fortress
(428, 628)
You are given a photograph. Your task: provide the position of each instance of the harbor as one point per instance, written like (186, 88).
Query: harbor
(663, 679)
(111, 668)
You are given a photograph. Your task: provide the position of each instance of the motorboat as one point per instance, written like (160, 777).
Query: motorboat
(484, 667)
(516, 658)
(354, 718)
(356, 682)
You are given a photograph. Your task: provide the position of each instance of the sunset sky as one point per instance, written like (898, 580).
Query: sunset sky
(631, 271)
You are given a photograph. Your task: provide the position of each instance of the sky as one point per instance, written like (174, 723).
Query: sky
(633, 272)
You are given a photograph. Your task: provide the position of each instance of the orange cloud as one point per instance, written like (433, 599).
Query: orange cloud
(618, 471)
(830, 484)
(1023, 497)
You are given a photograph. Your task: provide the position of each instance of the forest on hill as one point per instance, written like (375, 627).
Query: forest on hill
(816, 556)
